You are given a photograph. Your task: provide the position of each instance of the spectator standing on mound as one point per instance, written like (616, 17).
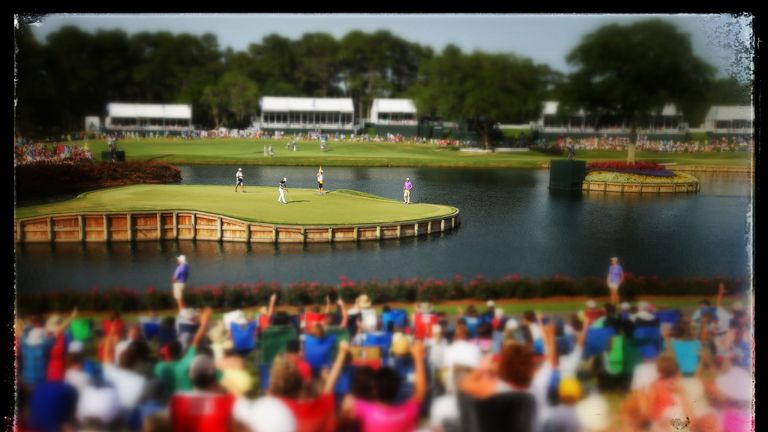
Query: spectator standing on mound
(615, 279)
(407, 186)
(179, 280)
(282, 188)
(239, 179)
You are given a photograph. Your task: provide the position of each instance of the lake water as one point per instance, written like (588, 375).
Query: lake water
(511, 223)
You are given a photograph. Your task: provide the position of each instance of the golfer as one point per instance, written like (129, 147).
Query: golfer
(407, 186)
(282, 188)
(320, 180)
(239, 179)
(614, 279)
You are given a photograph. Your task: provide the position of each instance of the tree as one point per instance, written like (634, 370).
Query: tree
(630, 71)
(482, 88)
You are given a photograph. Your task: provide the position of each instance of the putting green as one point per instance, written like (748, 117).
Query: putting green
(257, 204)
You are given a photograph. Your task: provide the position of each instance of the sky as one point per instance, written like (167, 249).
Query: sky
(545, 38)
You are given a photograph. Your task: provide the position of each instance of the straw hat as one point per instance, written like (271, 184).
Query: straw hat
(218, 335)
(237, 382)
(591, 304)
(363, 301)
(425, 307)
(490, 303)
(511, 325)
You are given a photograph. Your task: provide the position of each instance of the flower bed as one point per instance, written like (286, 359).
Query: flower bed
(626, 177)
(650, 169)
(242, 295)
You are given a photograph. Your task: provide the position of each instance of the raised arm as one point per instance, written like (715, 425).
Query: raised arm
(327, 305)
(330, 383)
(108, 355)
(720, 294)
(548, 338)
(204, 317)
(420, 390)
(344, 316)
(271, 308)
(67, 321)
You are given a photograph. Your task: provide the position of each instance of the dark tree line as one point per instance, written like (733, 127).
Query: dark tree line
(624, 71)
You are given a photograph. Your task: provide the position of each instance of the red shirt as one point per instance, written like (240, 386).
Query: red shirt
(316, 415)
(119, 325)
(263, 322)
(56, 364)
(312, 318)
(592, 314)
(203, 412)
(423, 324)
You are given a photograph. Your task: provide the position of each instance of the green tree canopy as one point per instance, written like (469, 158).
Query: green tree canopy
(482, 88)
(630, 71)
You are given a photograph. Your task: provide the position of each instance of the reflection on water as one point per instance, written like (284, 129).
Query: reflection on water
(511, 223)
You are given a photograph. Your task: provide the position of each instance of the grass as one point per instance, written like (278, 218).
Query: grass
(257, 204)
(245, 151)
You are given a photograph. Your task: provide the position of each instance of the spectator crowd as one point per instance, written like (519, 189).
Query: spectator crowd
(360, 367)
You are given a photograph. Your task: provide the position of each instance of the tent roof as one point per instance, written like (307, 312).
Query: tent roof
(272, 103)
(394, 105)
(132, 110)
(738, 112)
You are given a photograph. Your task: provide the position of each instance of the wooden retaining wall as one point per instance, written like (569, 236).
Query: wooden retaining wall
(598, 186)
(186, 225)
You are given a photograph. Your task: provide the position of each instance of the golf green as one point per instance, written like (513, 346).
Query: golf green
(258, 204)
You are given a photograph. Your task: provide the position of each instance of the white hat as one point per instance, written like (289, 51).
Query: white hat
(490, 303)
(101, 403)
(625, 306)
(736, 384)
(239, 169)
(285, 178)
(591, 304)
(498, 312)
(645, 315)
(36, 336)
(511, 325)
(425, 307)
(593, 413)
(181, 258)
(76, 346)
(265, 414)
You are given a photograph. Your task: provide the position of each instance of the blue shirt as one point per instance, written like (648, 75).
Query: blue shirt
(317, 352)
(408, 185)
(51, 405)
(687, 355)
(615, 272)
(182, 273)
(34, 361)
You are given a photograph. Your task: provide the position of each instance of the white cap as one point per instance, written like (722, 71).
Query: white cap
(36, 336)
(625, 306)
(239, 169)
(511, 325)
(285, 178)
(265, 414)
(181, 258)
(98, 402)
(76, 346)
(490, 303)
(591, 304)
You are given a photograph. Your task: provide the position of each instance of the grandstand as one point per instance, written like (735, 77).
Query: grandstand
(295, 114)
(729, 120)
(143, 118)
(394, 116)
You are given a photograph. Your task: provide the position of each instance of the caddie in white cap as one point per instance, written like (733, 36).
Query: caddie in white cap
(179, 280)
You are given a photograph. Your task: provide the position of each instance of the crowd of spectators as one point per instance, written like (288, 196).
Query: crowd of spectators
(722, 144)
(31, 152)
(364, 368)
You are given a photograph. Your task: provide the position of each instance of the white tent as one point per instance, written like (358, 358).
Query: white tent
(400, 111)
(729, 118)
(148, 117)
(306, 113)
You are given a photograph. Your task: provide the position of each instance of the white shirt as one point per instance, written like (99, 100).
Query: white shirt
(463, 353)
(644, 375)
(78, 379)
(445, 407)
(129, 385)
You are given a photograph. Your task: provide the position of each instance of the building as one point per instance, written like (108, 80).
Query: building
(394, 116)
(664, 123)
(729, 120)
(296, 114)
(145, 118)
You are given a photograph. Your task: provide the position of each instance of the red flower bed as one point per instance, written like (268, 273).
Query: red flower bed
(642, 168)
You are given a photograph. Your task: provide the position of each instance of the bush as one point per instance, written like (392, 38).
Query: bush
(243, 295)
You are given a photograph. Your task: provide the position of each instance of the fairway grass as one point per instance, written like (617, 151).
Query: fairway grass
(257, 204)
(249, 151)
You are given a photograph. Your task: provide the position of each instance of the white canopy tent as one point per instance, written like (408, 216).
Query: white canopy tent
(393, 111)
(148, 117)
(306, 113)
(736, 118)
